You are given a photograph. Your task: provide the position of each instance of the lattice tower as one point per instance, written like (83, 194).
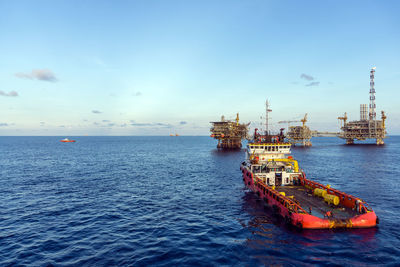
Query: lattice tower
(372, 106)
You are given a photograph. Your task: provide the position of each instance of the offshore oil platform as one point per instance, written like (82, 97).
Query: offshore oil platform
(299, 134)
(229, 133)
(368, 127)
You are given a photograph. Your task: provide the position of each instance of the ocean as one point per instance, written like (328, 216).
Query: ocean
(166, 201)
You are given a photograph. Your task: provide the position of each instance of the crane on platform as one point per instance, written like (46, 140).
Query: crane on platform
(304, 120)
(383, 119)
(344, 119)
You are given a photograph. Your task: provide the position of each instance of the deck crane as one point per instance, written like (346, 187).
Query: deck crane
(344, 119)
(304, 120)
(288, 122)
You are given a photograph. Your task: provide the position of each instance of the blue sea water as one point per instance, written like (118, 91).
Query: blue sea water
(165, 201)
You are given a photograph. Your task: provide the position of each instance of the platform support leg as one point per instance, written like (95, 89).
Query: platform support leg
(379, 141)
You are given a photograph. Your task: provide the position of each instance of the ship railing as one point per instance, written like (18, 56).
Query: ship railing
(366, 207)
(290, 204)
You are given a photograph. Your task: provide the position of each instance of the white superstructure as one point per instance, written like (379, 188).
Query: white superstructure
(272, 163)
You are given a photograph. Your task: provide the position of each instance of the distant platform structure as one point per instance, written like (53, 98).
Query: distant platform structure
(368, 127)
(363, 129)
(229, 133)
(299, 135)
(325, 134)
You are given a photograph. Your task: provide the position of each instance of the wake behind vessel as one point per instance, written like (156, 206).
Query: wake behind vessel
(272, 173)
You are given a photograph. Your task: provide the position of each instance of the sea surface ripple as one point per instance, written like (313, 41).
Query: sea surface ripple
(138, 201)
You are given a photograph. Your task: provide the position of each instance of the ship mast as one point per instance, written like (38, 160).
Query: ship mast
(267, 110)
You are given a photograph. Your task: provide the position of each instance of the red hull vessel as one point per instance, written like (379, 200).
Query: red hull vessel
(351, 212)
(272, 173)
(66, 140)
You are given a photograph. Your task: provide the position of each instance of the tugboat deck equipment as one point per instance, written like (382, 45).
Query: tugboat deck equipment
(315, 204)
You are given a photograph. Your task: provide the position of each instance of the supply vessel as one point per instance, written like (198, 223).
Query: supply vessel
(274, 175)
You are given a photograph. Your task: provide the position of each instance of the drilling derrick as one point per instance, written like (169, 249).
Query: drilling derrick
(229, 133)
(367, 127)
(299, 134)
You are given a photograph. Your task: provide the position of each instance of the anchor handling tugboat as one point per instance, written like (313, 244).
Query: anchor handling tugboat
(274, 176)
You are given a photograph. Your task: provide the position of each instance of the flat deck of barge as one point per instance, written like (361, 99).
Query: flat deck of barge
(319, 207)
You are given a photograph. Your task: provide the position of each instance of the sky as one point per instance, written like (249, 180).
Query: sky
(163, 67)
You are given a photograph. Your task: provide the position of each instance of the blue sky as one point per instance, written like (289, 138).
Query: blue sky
(160, 67)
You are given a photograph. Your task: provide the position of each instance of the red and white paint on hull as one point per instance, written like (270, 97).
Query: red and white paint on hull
(295, 215)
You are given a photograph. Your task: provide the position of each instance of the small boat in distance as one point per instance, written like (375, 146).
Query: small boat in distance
(66, 140)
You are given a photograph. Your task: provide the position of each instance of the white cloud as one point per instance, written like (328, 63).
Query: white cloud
(11, 93)
(306, 77)
(38, 74)
(313, 84)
